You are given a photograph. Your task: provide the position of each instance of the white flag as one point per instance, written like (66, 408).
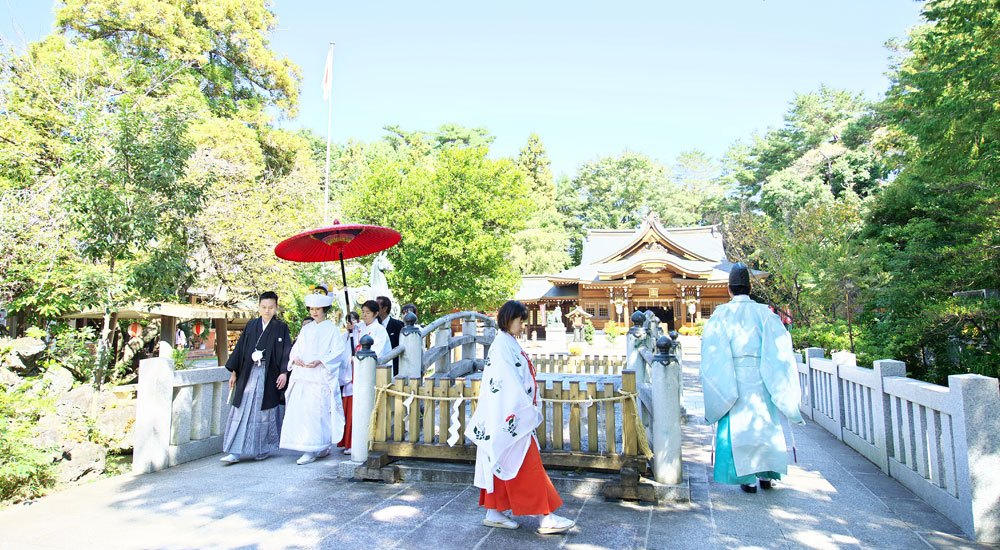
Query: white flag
(328, 75)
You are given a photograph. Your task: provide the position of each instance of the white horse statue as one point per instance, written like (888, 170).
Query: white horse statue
(377, 285)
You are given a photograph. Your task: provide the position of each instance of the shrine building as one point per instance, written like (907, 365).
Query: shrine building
(680, 273)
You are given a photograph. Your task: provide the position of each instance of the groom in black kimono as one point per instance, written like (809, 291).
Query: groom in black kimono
(259, 364)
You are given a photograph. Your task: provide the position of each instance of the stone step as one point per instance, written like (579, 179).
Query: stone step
(625, 485)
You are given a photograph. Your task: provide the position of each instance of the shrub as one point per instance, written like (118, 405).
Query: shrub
(696, 330)
(611, 331)
(179, 355)
(832, 337)
(25, 470)
(73, 349)
(588, 332)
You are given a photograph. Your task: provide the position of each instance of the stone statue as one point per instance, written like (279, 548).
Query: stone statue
(554, 318)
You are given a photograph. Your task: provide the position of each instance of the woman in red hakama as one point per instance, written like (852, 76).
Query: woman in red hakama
(509, 469)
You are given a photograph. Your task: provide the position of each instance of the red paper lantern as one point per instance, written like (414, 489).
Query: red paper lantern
(134, 330)
(198, 328)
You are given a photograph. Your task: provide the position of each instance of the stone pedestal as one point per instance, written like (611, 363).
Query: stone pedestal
(555, 335)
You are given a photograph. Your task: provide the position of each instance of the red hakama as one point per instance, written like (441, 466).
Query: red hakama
(529, 493)
(348, 409)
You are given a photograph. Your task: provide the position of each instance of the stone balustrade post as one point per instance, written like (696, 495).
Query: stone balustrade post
(443, 338)
(635, 339)
(153, 411)
(469, 329)
(364, 399)
(490, 333)
(841, 359)
(809, 353)
(412, 360)
(881, 409)
(666, 428)
(977, 452)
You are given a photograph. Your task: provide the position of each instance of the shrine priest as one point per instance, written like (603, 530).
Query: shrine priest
(509, 471)
(748, 375)
(259, 364)
(314, 411)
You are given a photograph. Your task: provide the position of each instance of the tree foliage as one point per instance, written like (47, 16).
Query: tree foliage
(541, 247)
(937, 225)
(457, 215)
(222, 44)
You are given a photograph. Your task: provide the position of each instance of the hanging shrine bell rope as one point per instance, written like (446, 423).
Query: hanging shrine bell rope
(382, 391)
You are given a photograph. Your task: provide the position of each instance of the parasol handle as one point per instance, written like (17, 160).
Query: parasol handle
(347, 297)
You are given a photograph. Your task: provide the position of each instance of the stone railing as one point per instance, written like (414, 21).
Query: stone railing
(942, 443)
(180, 415)
(658, 382)
(477, 330)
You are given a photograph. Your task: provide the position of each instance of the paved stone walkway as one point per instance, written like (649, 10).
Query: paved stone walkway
(832, 498)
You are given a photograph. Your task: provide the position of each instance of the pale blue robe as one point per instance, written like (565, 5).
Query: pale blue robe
(748, 374)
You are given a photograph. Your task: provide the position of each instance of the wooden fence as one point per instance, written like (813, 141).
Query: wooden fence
(598, 435)
(559, 363)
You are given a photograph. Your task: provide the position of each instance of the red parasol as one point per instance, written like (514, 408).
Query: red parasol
(337, 242)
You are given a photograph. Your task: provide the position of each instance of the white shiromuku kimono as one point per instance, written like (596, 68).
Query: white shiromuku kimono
(748, 373)
(508, 413)
(381, 346)
(314, 409)
(351, 339)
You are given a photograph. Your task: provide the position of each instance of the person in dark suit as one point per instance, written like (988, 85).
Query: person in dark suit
(392, 325)
(259, 364)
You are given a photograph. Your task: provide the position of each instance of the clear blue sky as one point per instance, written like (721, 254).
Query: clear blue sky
(591, 78)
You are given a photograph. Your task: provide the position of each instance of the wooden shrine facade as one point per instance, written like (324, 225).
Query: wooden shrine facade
(680, 273)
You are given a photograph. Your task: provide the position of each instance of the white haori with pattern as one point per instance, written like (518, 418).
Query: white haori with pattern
(748, 372)
(314, 409)
(351, 339)
(509, 410)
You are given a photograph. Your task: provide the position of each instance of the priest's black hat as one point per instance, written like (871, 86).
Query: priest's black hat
(739, 276)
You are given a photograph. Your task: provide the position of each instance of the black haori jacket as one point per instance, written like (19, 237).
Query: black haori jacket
(276, 345)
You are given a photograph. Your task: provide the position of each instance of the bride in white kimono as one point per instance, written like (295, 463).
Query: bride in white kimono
(314, 409)
(748, 374)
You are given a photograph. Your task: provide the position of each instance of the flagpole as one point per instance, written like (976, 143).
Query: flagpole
(329, 119)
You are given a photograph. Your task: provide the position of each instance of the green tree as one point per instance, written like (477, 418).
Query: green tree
(937, 225)
(457, 217)
(126, 192)
(831, 141)
(541, 247)
(617, 193)
(221, 44)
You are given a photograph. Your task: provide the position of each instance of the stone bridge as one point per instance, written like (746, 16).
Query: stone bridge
(833, 497)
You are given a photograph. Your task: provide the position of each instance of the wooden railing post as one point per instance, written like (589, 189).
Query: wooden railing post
(364, 399)
(629, 414)
(412, 359)
(383, 377)
(222, 340)
(666, 381)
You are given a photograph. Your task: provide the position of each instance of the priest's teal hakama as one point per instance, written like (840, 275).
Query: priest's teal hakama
(748, 375)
